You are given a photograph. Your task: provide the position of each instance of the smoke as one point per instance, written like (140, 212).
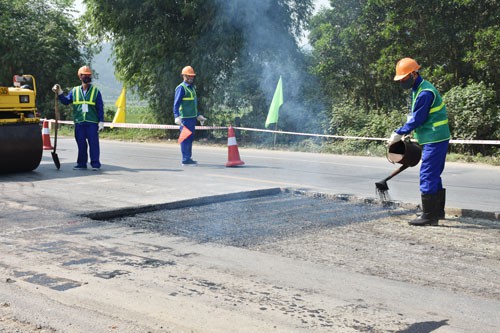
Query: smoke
(269, 46)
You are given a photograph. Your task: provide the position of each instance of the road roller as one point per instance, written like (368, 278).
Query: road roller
(21, 145)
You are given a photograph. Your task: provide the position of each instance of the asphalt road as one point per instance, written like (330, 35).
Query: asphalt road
(156, 169)
(63, 272)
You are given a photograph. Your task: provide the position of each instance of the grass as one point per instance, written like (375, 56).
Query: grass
(491, 160)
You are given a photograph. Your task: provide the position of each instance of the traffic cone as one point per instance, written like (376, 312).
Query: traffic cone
(233, 156)
(46, 136)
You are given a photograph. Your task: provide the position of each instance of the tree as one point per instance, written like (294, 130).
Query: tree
(484, 56)
(357, 43)
(39, 37)
(238, 49)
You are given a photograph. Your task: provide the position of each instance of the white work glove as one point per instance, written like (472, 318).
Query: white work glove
(201, 119)
(57, 89)
(178, 120)
(101, 126)
(395, 137)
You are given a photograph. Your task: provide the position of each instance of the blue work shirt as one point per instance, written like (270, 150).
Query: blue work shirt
(421, 109)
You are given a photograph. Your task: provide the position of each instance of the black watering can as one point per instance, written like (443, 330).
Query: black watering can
(404, 152)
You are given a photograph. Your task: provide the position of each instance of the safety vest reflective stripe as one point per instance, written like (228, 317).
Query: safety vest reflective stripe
(437, 108)
(79, 96)
(440, 123)
(187, 90)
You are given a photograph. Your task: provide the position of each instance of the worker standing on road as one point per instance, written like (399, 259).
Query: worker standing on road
(186, 112)
(88, 116)
(429, 120)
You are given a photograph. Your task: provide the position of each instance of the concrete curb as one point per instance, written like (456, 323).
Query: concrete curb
(478, 214)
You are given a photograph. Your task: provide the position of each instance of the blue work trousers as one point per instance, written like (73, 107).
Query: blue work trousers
(433, 160)
(87, 133)
(187, 144)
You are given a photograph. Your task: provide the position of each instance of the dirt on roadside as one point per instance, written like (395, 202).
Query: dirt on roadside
(461, 254)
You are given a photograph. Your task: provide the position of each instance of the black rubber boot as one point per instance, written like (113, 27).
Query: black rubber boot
(430, 211)
(441, 204)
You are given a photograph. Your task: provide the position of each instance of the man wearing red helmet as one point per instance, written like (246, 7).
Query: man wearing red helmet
(88, 116)
(429, 121)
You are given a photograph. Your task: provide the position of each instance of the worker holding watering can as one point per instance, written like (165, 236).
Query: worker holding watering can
(429, 121)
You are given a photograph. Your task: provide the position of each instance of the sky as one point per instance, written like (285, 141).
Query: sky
(321, 3)
(80, 7)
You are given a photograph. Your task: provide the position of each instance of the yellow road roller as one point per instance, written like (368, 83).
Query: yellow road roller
(21, 144)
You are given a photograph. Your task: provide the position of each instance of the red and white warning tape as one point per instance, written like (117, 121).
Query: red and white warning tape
(144, 126)
(176, 127)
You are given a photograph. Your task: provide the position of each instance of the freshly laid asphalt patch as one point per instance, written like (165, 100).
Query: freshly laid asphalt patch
(245, 222)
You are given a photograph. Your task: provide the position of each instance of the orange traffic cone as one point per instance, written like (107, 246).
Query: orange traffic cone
(46, 136)
(233, 156)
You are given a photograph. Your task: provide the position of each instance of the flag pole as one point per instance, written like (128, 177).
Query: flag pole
(275, 129)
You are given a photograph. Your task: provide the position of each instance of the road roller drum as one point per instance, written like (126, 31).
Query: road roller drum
(20, 131)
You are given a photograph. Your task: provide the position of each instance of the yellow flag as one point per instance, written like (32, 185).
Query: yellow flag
(121, 104)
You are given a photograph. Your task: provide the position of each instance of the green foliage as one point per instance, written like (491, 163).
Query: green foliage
(484, 55)
(356, 45)
(39, 37)
(472, 112)
(238, 49)
(135, 114)
(351, 120)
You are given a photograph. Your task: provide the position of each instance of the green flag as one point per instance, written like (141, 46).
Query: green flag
(274, 109)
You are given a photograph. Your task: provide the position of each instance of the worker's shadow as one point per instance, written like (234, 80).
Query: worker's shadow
(425, 327)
